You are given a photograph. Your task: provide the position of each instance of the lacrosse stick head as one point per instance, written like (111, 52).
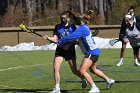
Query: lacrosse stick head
(24, 28)
(113, 41)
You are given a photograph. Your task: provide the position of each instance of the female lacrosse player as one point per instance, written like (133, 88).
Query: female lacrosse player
(89, 48)
(132, 34)
(61, 30)
(122, 30)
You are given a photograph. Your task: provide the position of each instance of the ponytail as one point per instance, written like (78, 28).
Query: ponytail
(77, 17)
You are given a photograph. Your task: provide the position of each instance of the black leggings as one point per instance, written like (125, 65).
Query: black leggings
(136, 52)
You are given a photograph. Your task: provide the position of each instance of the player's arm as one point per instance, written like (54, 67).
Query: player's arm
(51, 39)
(75, 35)
(67, 46)
(70, 44)
(138, 27)
(122, 30)
(54, 38)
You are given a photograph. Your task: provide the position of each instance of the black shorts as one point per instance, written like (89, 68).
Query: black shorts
(136, 50)
(94, 58)
(67, 54)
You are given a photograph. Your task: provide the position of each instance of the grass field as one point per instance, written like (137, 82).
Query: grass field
(31, 72)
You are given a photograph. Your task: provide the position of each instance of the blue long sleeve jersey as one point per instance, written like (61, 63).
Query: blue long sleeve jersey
(86, 40)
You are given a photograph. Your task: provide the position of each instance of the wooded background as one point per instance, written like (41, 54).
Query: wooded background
(46, 12)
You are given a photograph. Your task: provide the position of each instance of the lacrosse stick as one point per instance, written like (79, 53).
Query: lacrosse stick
(113, 41)
(95, 32)
(24, 28)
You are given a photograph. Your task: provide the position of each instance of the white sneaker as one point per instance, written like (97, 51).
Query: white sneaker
(56, 90)
(119, 64)
(84, 83)
(109, 83)
(94, 90)
(137, 63)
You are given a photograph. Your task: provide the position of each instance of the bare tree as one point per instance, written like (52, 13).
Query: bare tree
(85, 5)
(31, 6)
(59, 5)
(81, 6)
(101, 12)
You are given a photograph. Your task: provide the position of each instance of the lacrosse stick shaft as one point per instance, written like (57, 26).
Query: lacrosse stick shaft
(37, 34)
(95, 32)
(24, 28)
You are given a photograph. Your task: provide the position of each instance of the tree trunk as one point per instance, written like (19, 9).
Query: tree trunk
(85, 5)
(52, 4)
(101, 12)
(30, 8)
(81, 6)
(59, 6)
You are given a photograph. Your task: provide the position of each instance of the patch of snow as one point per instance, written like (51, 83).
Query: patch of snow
(102, 43)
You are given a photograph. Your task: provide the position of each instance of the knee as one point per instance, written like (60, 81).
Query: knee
(56, 68)
(75, 71)
(82, 71)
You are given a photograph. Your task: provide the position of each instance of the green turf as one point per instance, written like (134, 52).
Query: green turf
(31, 72)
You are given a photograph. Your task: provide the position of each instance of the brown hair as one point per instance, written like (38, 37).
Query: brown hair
(65, 13)
(84, 16)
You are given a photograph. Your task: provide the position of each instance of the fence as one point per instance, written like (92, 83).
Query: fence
(13, 35)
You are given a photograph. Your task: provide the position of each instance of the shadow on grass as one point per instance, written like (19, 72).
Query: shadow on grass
(128, 81)
(7, 90)
(40, 91)
(124, 57)
(21, 90)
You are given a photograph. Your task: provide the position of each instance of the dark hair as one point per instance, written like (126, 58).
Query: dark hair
(65, 13)
(131, 7)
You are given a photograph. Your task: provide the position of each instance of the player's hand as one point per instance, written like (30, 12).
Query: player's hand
(46, 37)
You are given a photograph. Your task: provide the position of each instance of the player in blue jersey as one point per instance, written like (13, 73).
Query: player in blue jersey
(61, 30)
(90, 50)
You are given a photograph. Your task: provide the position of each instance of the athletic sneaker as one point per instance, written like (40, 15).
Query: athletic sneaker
(94, 90)
(109, 83)
(120, 63)
(56, 90)
(136, 63)
(84, 83)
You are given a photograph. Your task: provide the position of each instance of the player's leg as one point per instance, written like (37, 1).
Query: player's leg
(136, 62)
(83, 69)
(56, 67)
(122, 54)
(70, 56)
(109, 81)
(73, 67)
(136, 52)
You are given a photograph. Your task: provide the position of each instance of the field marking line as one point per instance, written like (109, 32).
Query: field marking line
(20, 67)
(5, 86)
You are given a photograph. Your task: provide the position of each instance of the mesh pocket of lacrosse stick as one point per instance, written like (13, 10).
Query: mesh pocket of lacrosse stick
(113, 41)
(24, 28)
